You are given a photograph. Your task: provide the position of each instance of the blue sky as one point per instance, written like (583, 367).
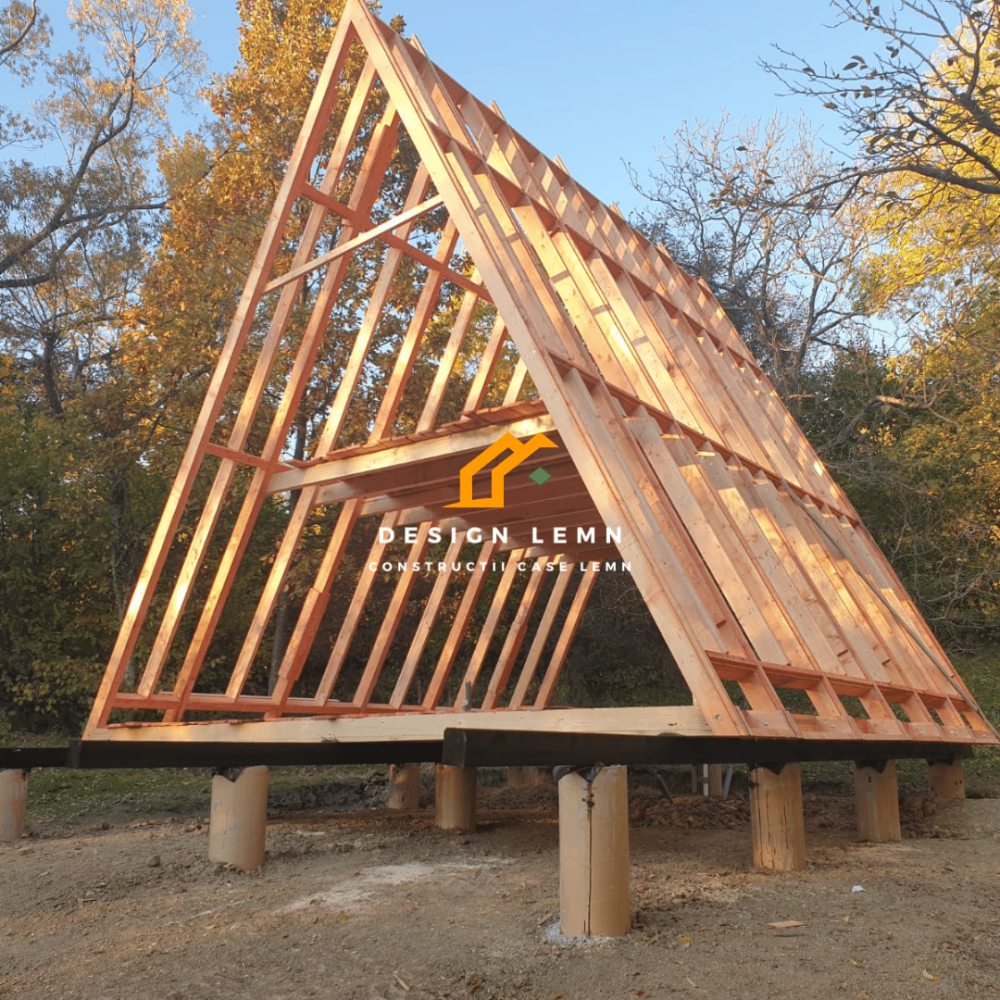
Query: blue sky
(601, 82)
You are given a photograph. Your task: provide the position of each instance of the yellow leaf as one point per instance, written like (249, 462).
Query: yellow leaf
(928, 975)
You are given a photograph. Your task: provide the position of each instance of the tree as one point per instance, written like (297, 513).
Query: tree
(920, 455)
(73, 235)
(727, 206)
(923, 113)
(80, 205)
(925, 105)
(923, 469)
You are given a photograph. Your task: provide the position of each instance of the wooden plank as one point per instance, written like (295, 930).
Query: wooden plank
(428, 619)
(679, 720)
(390, 620)
(862, 624)
(459, 625)
(516, 383)
(300, 163)
(312, 612)
(446, 363)
(235, 343)
(355, 243)
(565, 640)
(540, 639)
(488, 630)
(311, 615)
(398, 242)
(352, 617)
(515, 636)
(476, 396)
(397, 456)
(295, 657)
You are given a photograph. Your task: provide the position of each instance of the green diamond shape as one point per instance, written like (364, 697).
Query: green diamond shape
(540, 476)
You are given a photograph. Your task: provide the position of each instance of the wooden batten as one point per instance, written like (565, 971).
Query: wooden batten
(475, 296)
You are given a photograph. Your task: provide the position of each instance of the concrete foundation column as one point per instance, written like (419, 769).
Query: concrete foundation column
(876, 795)
(238, 824)
(715, 780)
(455, 798)
(404, 787)
(13, 801)
(777, 826)
(947, 779)
(523, 777)
(593, 854)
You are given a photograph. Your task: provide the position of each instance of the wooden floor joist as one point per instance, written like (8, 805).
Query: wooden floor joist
(519, 391)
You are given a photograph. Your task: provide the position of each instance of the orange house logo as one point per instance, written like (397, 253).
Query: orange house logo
(519, 451)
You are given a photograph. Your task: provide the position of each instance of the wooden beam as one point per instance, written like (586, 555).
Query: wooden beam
(515, 636)
(565, 640)
(428, 619)
(459, 627)
(679, 720)
(540, 639)
(396, 457)
(355, 243)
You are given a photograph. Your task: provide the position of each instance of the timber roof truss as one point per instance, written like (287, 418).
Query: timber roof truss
(532, 309)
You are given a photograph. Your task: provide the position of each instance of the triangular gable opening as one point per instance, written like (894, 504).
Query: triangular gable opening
(452, 372)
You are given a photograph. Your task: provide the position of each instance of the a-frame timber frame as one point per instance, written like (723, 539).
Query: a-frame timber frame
(551, 316)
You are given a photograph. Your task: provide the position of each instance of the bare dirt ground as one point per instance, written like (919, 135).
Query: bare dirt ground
(368, 905)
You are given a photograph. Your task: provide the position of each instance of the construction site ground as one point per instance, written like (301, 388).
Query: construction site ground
(356, 903)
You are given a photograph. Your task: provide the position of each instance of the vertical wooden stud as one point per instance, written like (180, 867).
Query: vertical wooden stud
(777, 826)
(876, 795)
(594, 854)
(947, 779)
(455, 798)
(13, 802)
(404, 787)
(238, 823)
